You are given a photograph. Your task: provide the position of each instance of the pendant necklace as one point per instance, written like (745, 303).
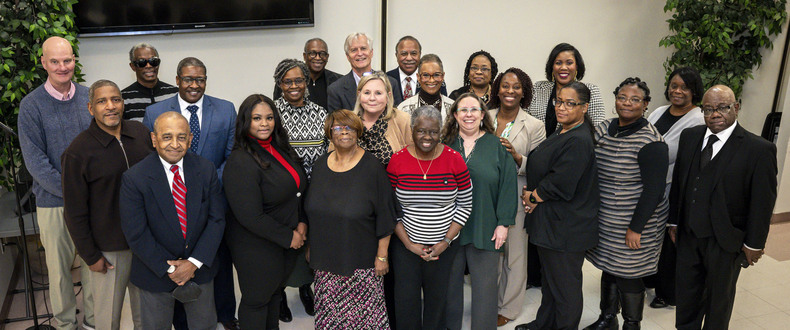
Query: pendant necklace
(425, 174)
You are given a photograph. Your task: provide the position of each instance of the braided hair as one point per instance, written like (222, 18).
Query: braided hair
(286, 65)
(635, 81)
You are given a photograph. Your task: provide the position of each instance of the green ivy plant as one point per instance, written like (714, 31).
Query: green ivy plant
(722, 38)
(24, 25)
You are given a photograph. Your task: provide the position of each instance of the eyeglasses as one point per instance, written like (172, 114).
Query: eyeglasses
(190, 80)
(707, 111)
(634, 100)
(321, 54)
(289, 82)
(436, 76)
(339, 129)
(141, 62)
(467, 111)
(423, 132)
(477, 68)
(569, 104)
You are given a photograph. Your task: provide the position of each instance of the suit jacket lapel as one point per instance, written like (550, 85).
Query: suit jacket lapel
(194, 193)
(163, 195)
(205, 126)
(518, 125)
(728, 151)
(351, 89)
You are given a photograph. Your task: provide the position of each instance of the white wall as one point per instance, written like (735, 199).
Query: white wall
(617, 39)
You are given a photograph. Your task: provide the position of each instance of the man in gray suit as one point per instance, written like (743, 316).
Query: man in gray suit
(342, 94)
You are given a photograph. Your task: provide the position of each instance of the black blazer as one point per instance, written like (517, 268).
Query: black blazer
(150, 223)
(342, 94)
(264, 203)
(397, 88)
(744, 190)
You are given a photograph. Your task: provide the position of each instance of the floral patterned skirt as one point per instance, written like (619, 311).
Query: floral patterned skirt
(355, 302)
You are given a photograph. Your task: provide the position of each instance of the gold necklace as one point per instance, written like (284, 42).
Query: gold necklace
(425, 174)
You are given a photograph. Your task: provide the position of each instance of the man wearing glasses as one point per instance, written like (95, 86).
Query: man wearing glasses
(148, 89)
(315, 56)
(212, 124)
(721, 202)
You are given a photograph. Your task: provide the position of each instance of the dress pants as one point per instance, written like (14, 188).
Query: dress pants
(416, 279)
(224, 292)
(664, 280)
(156, 308)
(513, 270)
(561, 305)
(706, 277)
(482, 265)
(60, 253)
(109, 290)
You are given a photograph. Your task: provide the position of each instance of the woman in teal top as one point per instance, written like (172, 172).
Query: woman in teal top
(469, 130)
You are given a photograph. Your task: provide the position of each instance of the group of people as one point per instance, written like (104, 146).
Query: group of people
(164, 189)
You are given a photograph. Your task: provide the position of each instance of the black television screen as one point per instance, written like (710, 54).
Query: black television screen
(125, 17)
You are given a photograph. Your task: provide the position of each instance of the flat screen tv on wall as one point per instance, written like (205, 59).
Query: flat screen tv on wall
(129, 17)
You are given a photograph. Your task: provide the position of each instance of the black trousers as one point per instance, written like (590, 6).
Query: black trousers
(533, 265)
(418, 281)
(562, 304)
(706, 277)
(664, 280)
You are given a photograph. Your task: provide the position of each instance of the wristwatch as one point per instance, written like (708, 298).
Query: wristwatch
(532, 199)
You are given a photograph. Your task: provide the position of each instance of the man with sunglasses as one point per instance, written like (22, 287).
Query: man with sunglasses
(212, 124)
(721, 202)
(148, 89)
(315, 56)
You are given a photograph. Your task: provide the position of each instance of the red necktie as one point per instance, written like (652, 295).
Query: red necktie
(407, 91)
(180, 197)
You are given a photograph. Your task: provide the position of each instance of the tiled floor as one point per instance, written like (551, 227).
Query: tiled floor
(762, 300)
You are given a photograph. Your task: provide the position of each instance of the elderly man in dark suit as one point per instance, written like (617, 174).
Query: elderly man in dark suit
(408, 51)
(173, 216)
(342, 94)
(212, 122)
(721, 201)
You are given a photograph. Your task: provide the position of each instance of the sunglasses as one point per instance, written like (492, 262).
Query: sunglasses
(141, 62)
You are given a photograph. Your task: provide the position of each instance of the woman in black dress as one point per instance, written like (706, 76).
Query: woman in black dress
(561, 200)
(264, 183)
(349, 241)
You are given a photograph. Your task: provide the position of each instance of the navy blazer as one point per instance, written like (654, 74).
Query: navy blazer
(217, 127)
(342, 94)
(397, 88)
(744, 190)
(150, 223)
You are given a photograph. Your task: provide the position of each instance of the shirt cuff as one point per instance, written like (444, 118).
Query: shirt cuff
(196, 262)
(746, 246)
(671, 225)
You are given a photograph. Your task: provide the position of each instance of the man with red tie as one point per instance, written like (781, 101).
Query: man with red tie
(173, 216)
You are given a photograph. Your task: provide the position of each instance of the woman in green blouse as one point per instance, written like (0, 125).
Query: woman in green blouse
(469, 130)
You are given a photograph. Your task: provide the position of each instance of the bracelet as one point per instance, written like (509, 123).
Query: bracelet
(383, 259)
(449, 241)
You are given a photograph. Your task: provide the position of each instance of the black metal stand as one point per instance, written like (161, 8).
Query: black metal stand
(30, 299)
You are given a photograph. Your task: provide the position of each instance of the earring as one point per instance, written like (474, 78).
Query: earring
(481, 124)
(614, 110)
(552, 77)
(574, 76)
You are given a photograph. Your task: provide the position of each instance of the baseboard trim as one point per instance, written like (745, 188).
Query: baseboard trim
(780, 217)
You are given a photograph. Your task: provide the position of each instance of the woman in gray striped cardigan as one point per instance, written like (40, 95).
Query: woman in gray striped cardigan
(632, 165)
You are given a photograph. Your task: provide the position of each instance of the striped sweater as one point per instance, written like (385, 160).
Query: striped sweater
(432, 194)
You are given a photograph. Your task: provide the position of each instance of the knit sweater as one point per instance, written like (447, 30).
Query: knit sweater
(46, 127)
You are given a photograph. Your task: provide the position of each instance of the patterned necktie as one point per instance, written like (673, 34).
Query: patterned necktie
(180, 197)
(407, 92)
(194, 126)
(707, 152)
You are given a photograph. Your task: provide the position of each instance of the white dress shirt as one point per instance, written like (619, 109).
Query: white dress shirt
(413, 81)
(170, 177)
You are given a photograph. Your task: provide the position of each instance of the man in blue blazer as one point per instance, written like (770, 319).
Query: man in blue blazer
(212, 122)
(342, 94)
(173, 217)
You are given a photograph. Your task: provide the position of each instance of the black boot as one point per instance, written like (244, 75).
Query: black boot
(306, 295)
(610, 304)
(633, 304)
(285, 312)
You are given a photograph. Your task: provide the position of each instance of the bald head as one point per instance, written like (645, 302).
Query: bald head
(171, 136)
(57, 58)
(720, 108)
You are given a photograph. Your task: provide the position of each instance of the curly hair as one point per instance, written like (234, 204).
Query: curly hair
(635, 81)
(692, 80)
(526, 88)
(286, 65)
(241, 137)
(450, 130)
(564, 47)
(494, 67)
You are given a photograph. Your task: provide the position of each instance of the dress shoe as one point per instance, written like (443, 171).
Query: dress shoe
(501, 320)
(526, 326)
(658, 302)
(307, 298)
(231, 325)
(285, 312)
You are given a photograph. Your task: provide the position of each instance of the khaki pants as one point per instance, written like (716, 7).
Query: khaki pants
(60, 254)
(109, 290)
